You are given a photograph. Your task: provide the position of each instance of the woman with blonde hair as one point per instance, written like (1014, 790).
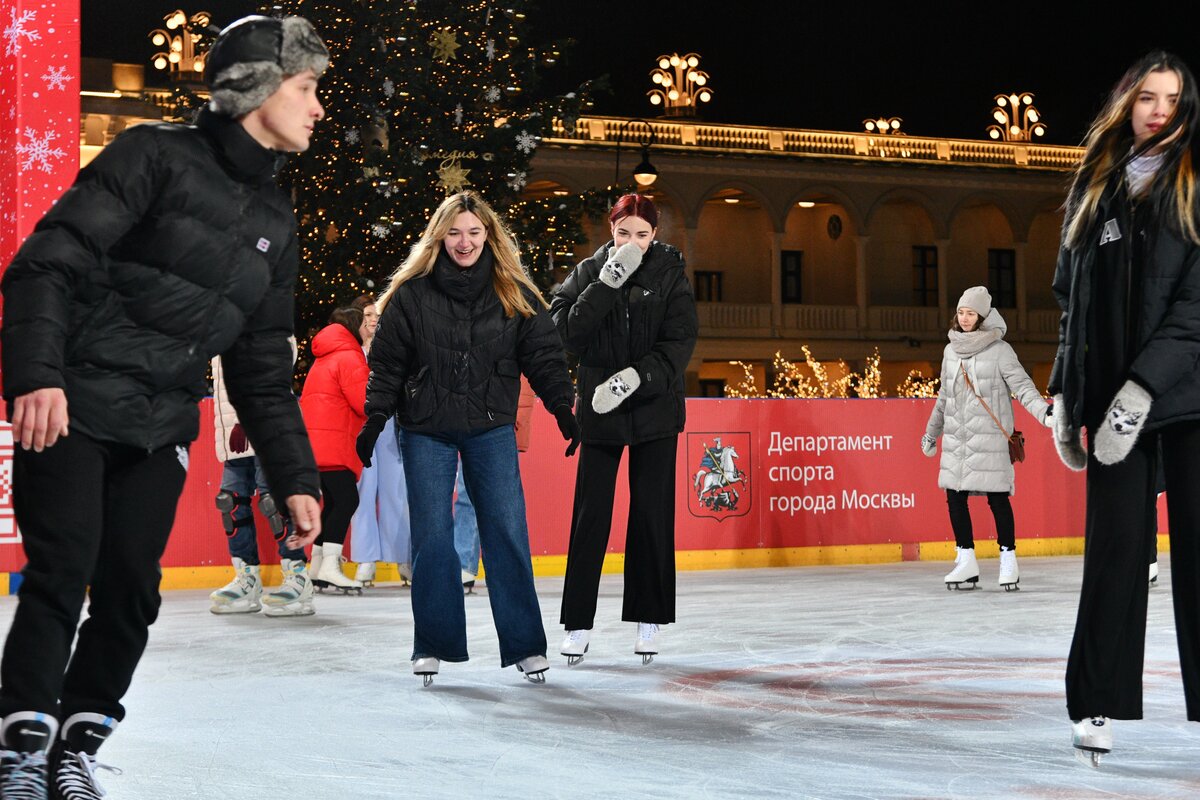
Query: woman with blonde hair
(1128, 283)
(459, 324)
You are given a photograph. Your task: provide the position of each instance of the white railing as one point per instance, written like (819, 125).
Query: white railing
(1043, 323)
(820, 318)
(735, 317)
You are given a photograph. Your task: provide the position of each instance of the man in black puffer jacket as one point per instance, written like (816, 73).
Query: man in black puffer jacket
(173, 246)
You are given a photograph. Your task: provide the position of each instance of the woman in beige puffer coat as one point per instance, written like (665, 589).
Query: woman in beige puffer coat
(979, 367)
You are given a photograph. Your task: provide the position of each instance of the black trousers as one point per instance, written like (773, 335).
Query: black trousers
(91, 514)
(339, 501)
(960, 519)
(649, 537)
(1104, 669)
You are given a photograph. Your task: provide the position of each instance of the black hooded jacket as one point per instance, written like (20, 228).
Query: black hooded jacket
(174, 245)
(1148, 329)
(446, 358)
(649, 323)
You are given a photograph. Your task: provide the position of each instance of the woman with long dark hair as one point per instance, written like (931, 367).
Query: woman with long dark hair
(629, 314)
(1129, 347)
(460, 322)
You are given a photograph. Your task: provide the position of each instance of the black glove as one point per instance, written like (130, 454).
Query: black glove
(569, 428)
(365, 444)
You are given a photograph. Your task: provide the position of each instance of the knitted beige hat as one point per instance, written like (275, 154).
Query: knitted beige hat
(977, 299)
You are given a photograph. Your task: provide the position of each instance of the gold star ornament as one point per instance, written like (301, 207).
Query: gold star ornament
(444, 44)
(452, 177)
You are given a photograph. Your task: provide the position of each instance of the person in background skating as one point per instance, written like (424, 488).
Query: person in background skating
(174, 245)
(379, 528)
(332, 402)
(466, 527)
(629, 314)
(1128, 282)
(980, 375)
(241, 476)
(459, 324)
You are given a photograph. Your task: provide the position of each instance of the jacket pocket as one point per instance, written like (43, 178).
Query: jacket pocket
(419, 402)
(504, 388)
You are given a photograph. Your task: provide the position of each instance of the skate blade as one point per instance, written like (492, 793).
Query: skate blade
(647, 658)
(1089, 758)
(427, 679)
(972, 583)
(1011, 587)
(573, 660)
(535, 677)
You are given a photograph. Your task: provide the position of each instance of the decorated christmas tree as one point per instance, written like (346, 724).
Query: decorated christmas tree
(423, 98)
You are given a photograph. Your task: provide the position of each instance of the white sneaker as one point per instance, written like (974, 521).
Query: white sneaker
(647, 641)
(243, 594)
(575, 645)
(293, 598)
(426, 667)
(1010, 575)
(966, 569)
(1154, 573)
(534, 668)
(365, 574)
(1092, 738)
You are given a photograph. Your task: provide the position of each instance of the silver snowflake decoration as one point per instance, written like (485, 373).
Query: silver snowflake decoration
(517, 181)
(380, 230)
(491, 47)
(389, 87)
(37, 152)
(493, 94)
(16, 31)
(352, 136)
(526, 142)
(458, 114)
(57, 78)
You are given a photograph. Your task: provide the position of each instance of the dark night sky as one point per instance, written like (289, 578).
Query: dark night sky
(823, 66)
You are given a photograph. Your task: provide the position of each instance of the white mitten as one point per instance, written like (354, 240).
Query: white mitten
(1067, 440)
(929, 445)
(1124, 420)
(622, 262)
(613, 391)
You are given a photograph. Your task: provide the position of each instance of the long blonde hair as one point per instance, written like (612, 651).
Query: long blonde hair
(508, 276)
(1108, 147)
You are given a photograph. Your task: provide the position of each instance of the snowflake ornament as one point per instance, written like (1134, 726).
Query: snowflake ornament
(38, 152)
(458, 114)
(57, 78)
(352, 136)
(517, 181)
(380, 230)
(526, 142)
(389, 87)
(492, 94)
(491, 49)
(17, 30)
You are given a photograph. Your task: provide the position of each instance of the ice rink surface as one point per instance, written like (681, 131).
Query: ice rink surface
(820, 682)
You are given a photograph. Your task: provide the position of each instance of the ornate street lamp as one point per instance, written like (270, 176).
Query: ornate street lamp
(1018, 119)
(684, 87)
(644, 173)
(180, 55)
(886, 125)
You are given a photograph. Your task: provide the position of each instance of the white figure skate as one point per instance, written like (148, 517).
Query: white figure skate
(243, 594)
(426, 667)
(365, 574)
(966, 570)
(575, 645)
(1092, 738)
(1010, 574)
(1154, 574)
(647, 641)
(331, 573)
(534, 668)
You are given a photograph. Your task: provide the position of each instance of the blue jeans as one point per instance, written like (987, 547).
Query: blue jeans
(493, 478)
(242, 476)
(466, 527)
(379, 530)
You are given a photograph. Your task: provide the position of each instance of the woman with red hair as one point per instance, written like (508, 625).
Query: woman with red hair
(628, 313)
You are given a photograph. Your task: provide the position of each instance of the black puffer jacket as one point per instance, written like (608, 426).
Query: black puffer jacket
(1163, 347)
(649, 323)
(174, 245)
(446, 358)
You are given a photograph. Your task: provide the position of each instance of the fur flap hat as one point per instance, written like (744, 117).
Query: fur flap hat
(252, 56)
(977, 299)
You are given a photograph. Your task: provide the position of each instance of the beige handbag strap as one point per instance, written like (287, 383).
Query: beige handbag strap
(986, 408)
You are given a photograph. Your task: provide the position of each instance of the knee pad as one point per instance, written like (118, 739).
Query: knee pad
(228, 503)
(280, 524)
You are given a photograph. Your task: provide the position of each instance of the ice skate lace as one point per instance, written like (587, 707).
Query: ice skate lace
(647, 630)
(22, 775)
(574, 637)
(76, 778)
(242, 584)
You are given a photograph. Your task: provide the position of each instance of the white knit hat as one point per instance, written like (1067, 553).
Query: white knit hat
(977, 299)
